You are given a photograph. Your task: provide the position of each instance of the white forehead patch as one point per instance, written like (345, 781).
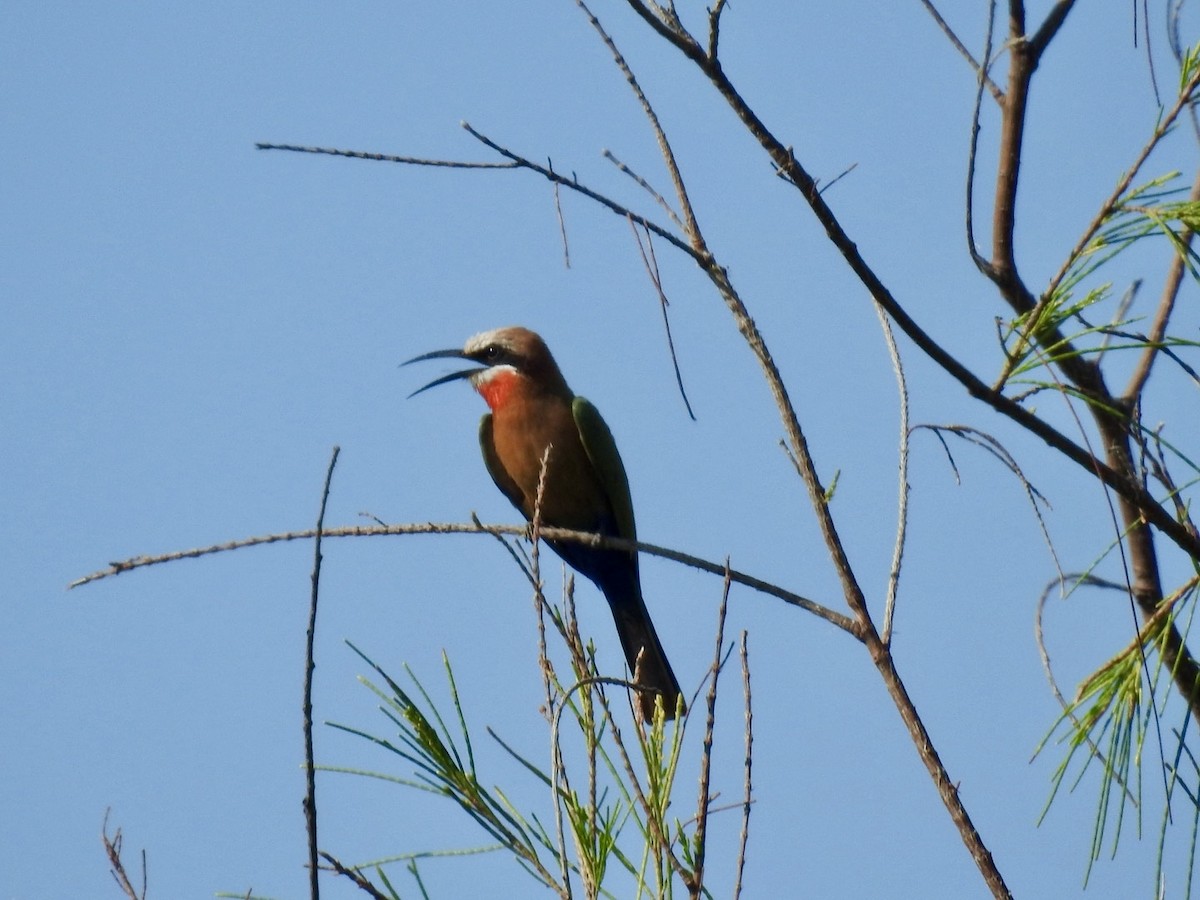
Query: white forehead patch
(477, 342)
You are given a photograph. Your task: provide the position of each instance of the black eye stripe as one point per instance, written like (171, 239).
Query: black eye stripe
(494, 354)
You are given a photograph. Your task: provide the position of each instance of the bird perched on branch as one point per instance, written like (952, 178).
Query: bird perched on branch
(586, 488)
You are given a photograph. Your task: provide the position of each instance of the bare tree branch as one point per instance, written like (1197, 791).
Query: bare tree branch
(785, 160)
(112, 848)
(385, 157)
(845, 623)
(1049, 28)
(355, 875)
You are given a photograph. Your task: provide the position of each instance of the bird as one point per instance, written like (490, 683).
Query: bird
(586, 488)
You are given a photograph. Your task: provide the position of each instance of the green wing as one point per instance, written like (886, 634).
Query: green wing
(602, 451)
(503, 480)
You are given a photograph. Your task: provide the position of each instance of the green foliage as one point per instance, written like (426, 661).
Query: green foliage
(1107, 722)
(610, 805)
(1056, 329)
(1106, 726)
(1189, 64)
(1113, 727)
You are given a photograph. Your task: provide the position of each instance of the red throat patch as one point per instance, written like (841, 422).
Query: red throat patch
(497, 388)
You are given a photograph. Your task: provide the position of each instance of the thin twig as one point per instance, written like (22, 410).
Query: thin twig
(710, 720)
(517, 553)
(354, 875)
(980, 69)
(714, 28)
(646, 186)
(562, 224)
(651, 264)
(670, 26)
(557, 768)
(838, 177)
(901, 476)
(112, 848)
(747, 784)
(387, 157)
(690, 226)
(310, 769)
(1000, 452)
(520, 162)
(973, 147)
(1166, 306)
(843, 622)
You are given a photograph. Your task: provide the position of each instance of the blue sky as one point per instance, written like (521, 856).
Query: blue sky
(190, 325)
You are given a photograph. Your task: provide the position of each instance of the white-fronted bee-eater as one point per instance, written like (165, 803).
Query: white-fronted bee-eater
(586, 488)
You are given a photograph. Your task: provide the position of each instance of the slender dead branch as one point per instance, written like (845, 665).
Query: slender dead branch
(646, 186)
(1166, 305)
(355, 875)
(690, 227)
(980, 68)
(562, 223)
(978, 258)
(893, 585)
(651, 263)
(704, 801)
(386, 157)
(837, 619)
(573, 184)
(558, 771)
(747, 783)
(112, 848)
(994, 447)
(310, 769)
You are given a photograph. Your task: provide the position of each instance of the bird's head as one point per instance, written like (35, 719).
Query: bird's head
(507, 358)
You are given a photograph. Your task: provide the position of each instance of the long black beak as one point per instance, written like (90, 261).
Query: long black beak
(441, 354)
